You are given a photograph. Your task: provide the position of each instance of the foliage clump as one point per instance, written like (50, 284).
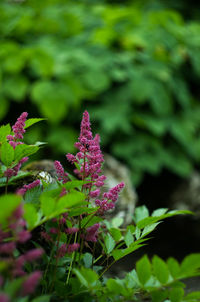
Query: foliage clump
(144, 62)
(62, 223)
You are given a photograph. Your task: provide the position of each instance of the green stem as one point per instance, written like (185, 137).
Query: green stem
(106, 269)
(71, 262)
(97, 259)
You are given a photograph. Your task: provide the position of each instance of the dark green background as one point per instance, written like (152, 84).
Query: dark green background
(134, 65)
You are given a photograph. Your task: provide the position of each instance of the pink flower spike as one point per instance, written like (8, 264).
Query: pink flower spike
(4, 298)
(18, 127)
(9, 173)
(62, 250)
(30, 283)
(71, 158)
(92, 233)
(34, 254)
(46, 236)
(72, 247)
(53, 231)
(95, 193)
(23, 236)
(7, 248)
(71, 230)
(30, 186)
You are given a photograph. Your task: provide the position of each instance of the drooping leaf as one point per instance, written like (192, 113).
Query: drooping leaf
(160, 269)
(31, 121)
(143, 269)
(109, 243)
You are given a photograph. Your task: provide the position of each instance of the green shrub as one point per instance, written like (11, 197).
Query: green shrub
(134, 68)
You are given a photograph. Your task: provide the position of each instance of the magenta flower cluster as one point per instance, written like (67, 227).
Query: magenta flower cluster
(88, 161)
(18, 130)
(25, 188)
(62, 175)
(89, 158)
(109, 198)
(92, 233)
(10, 238)
(14, 140)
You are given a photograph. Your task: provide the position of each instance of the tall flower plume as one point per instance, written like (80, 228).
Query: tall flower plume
(89, 158)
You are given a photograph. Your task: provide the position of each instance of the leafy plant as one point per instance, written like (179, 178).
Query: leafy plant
(65, 218)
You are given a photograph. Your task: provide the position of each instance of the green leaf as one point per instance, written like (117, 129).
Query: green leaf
(48, 204)
(116, 234)
(87, 259)
(143, 269)
(4, 131)
(190, 264)
(7, 154)
(88, 221)
(32, 195)
(159, 212)
(117, 222)
(13, 287)
(115, 286)
(159, 295)
(160, 270)
(109, 243)
(31, 216)
(120, 253)
(176, 294)
(193, 296)
(24, 150)
(45, 298)
(86, 276)
(81, 210)
(75, 184)
(70, 200)
(8, 203)
(173, 267)
(149, 228)
(140, 213)
(128, 238)
(31, 121)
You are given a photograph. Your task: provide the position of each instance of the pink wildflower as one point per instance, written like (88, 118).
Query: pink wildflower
(95, 193)
(62, 250)
(109, 198)
(46, 236)
(72, 247)
(92, 233)
(23, 236)
(9, 173)
(30, 283)
(71, 230)
(62, 175)
(4, 298)
(7, 248)
(53, 231)
(18, 127)
(34, 254)
(25, 188)
(89, 156)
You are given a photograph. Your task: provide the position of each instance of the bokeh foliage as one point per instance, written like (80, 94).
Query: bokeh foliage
(135, 67)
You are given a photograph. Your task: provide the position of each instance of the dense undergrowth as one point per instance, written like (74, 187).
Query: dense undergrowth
(55, 243)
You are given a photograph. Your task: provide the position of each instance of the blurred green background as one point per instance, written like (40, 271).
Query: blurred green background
(134, 65)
